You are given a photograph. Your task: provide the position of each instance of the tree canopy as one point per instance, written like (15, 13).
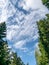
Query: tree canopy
(42, 54)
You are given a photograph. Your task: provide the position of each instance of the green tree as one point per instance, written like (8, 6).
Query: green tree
(27, 63)
(46, 3)
(42, 54)
(5, 57)
(15, 60)
(4, 53)
(43, 27)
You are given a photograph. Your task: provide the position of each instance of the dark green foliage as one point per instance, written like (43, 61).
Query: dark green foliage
(46, 3)
(2, 30)
(43, 27)
(5, 57)
(41, 56)
(4, 54)
(15, 60)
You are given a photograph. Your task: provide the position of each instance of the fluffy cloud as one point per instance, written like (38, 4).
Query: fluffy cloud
(32, 4)
(3, 10)
(21, 20)
(21, 27)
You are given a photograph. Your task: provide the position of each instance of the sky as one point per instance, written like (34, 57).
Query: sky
(22, 32)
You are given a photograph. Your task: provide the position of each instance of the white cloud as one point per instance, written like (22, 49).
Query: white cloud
(20, 44)
(32, 4)
(3, 16)
(3, 10)
(22, 28)
(10, 34)
(2, 3)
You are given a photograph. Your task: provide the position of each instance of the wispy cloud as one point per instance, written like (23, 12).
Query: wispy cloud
(22, 27)
(21, 17)
(3, 10)
(31, 4)
(19, 44)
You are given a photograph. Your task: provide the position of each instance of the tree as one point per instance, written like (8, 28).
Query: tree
(46, 3)
(43, 27)
(4, 53)
(42, 54)
(5, 57)
(15, 60)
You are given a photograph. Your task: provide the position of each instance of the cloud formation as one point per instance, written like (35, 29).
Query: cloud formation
(32, 4)
(3, 10)
(21, 25)
(21, 17)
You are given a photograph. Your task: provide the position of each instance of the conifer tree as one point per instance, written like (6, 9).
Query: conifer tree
(4, 53)
(43, 57)
(15, 60)
(5, 57)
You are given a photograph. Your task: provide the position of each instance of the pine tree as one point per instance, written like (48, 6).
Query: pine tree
(42, 54)
(4, 53)
(43, 57)
(15, 60)
(5, 57)
(46, 3)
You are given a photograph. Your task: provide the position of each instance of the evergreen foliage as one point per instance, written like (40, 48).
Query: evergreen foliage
(4, 53)
(46, 3)
(42, 55)
(5, 57)
(43, 27)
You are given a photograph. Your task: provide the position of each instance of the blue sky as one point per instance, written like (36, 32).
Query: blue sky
(22, 33)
